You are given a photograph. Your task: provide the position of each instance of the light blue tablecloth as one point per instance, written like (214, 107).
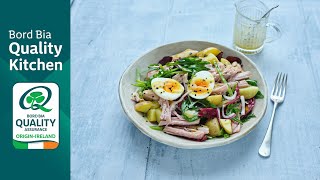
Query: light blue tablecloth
(109, 35)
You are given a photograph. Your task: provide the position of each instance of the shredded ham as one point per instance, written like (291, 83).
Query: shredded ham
(135, 97)
(178, 115)
(177, 121)
(175, 103)
(222, 88)
(235, 127)
(151, 73)
(243, 84)
(241, 76)
(166, 112)
(228, 71)
(231, 70)
(182, 78)
(204, 129)
(168, 109)
(187, 133)
(178, 77)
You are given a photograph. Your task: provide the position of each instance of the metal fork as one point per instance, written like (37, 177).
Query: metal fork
(277, 96)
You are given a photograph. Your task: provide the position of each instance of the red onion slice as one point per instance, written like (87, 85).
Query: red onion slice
(250, 105)
(243, 105)
(236, 98)
(232, 115)
(218, 112)
(231, 97)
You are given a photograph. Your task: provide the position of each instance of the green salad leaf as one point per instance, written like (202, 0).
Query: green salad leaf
(226, 135)
(143, 85)
(158, 128)
(248, 117)
(189, 110)
(233, 108)
(205, 103)
(237, 119)
(252, 82)
(223, 79)
(259, 95)
(189, 65)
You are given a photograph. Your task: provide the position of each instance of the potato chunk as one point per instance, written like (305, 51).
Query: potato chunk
(151, 115)
(215, 99)
(214, 127)
(155, 105)
(225, 61)
(158, 114)
(143, 106)
(249, 92)
(184, 54)
(207, 51)
(211, 58)
(226, 124)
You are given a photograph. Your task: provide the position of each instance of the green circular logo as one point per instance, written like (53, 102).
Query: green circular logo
(36, 98)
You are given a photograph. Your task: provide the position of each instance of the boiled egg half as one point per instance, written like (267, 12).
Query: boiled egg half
(201, 85)
(167, 88)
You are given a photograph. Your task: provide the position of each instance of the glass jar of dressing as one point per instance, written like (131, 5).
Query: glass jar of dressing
(250, 29)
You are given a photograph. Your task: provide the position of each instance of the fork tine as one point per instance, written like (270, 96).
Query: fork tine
(281, 84)
(275, 84)
(285, 86)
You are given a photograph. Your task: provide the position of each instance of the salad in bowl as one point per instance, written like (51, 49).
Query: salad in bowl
(197, 95)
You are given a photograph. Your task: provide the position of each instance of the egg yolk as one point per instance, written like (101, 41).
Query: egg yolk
(200, 90)
(172, 87)
(202, 83)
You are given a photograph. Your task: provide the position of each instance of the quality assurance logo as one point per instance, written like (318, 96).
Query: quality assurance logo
(34, 98)
(35, 116)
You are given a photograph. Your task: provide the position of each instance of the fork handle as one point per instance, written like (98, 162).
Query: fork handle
(265, 148)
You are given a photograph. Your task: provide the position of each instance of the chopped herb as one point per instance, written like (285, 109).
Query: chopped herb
(259, 95)
(226, 135)
(248, 117)
(223, 79)
(143, 85)
(158, 128)
(237, 119)
(189, 110)
(190, 65)
(206, 103)
(233, 108)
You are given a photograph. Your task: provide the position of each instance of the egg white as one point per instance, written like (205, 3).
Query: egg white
(161, 86)
(201, 85)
